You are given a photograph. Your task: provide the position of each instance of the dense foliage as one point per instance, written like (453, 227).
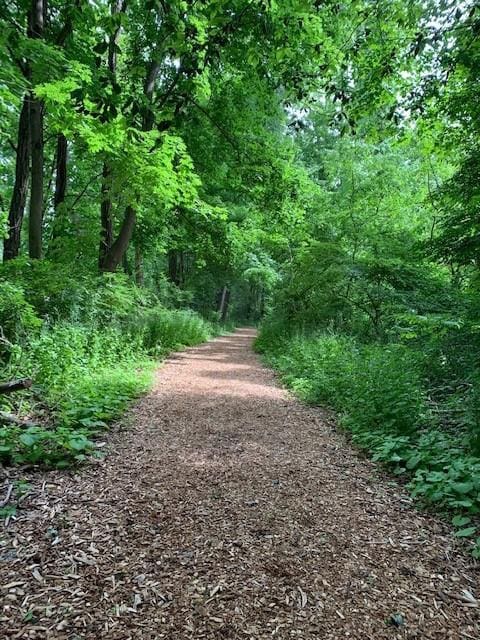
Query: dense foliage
(87, 361)
(313, 165)
(376, 310)
(144, 138)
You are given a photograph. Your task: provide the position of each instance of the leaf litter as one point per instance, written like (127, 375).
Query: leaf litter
(229, 510)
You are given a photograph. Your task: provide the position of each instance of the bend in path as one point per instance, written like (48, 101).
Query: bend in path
(229, 510)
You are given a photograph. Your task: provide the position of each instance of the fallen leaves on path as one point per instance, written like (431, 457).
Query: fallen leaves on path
(226, 509)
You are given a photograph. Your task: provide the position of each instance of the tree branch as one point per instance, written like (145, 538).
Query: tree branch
(15, 385)
(220, 128)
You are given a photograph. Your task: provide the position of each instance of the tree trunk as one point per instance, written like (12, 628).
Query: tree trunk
(36, 190)
(106, 233)
(175, 267)
(15, 385)
(61, 163)
(224, 304)
(61, 154)
(61, 171)
(36, 137)
(221, 302)
(126, 264)
(115, 254)
(106, 220)
(11, 245)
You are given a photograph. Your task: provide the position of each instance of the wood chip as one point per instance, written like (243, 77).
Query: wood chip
(227, 509)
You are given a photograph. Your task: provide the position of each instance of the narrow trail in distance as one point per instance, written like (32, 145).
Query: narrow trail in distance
(227, 509)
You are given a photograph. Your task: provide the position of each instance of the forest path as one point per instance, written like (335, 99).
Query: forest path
(229, 510)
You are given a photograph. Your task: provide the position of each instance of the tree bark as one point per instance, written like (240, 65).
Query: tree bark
(115, 254)
(36, 137)
(106, 233)
(126, 264)
(61, 163)
(224, 304)
(36, 190)
(11, 245)
(9, 418)
(60, 171)
(175, 274)
(15, 385)
(106, 220)
(221, 304)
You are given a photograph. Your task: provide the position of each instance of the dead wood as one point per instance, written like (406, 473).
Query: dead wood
(19, 422)
(15, 385)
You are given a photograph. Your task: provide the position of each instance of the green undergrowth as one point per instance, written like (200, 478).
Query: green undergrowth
(88, 361)
(381, 396)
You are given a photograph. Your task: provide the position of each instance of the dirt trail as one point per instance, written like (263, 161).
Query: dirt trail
(229, 510)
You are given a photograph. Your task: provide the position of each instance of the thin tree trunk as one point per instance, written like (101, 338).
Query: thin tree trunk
(226, 302)
(36, 137)
(175, 267)
(36, 190)
(222, 301)
(106, 233)
(60, 171)
(11, 244)
(61, 163)
(126, 264)
(61, 154)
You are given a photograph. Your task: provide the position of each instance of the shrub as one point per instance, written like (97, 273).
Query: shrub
(59, 447)
(85, 374)
(59, 294)
(386, 391)
(379, 391)
(116, 300)
(376, 387)
(54, 292)
(164, 330)
(17, 317)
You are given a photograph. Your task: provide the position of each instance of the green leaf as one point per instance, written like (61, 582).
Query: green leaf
(78, 443)
(413, 461)
(28, 439)
(465, 533)
(462, 487)
(460, 521)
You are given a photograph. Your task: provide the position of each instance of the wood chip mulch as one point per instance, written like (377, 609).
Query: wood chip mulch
(226, 509)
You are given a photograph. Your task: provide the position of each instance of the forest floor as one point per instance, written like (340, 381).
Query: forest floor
(224, 508)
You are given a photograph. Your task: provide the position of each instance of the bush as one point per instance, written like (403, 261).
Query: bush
(35, 445)
(86, 373)
(380, 393)
(386, 391)
(58, 294)
(54, 292)
(17, 316)
(164, 330)
(374, 386)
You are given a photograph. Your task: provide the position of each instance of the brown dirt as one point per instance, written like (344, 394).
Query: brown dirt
(229, 510)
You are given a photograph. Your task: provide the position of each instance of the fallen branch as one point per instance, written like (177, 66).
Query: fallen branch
(11, 419)
(15, 385)
(5, 501)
